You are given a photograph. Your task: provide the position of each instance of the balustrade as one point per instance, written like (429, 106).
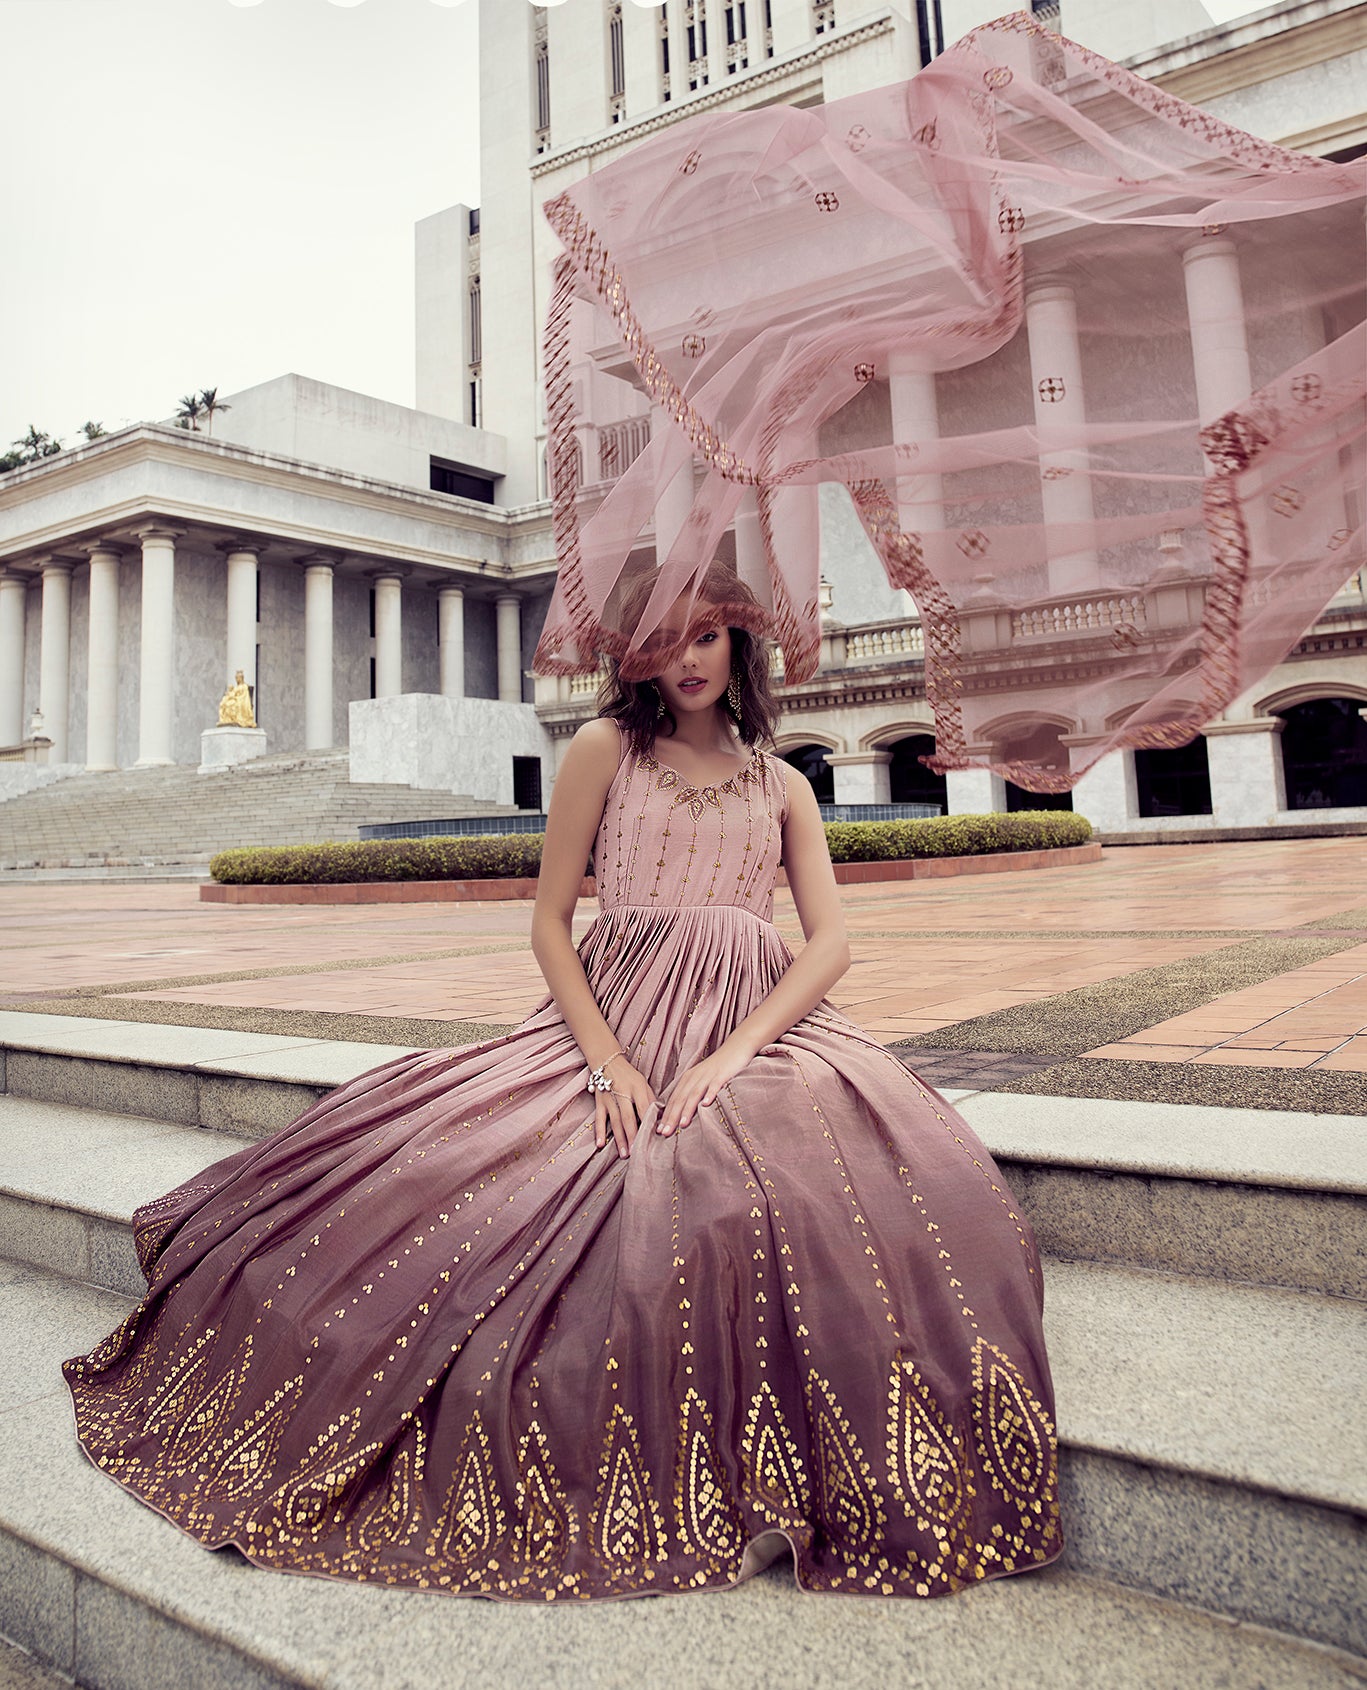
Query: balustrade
(877, 642)
(1080, 616)
(619, 446)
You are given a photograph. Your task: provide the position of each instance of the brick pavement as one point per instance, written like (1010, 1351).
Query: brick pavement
(934, 960)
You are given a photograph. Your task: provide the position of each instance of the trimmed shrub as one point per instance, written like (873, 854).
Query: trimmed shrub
(477, 856)
(955, 836)
(517, 856)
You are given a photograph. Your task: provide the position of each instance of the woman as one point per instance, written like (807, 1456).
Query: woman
(465, 1326)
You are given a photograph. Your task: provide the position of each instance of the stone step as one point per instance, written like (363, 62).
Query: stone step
(173, 812)
(1185, 1425)
(1269, 1197)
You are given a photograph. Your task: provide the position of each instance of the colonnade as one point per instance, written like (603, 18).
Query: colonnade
(157, 663)
(1219, 350)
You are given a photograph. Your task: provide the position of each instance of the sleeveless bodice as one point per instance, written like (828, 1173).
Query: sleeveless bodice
(664, 843)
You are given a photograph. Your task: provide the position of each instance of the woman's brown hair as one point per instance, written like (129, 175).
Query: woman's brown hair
(639, 705)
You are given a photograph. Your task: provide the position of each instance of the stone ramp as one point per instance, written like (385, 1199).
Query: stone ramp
(132, 818)
(1211, 1450)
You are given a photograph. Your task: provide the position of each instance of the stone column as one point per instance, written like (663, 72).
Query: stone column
(13, 611)
(157, 660)
(915, 419)
(102, 684)
(750, 564)
(641, 50)
(1107, 795)
(974, 792)
(1219, 339)
(678, 53)
(241, 644)
(318, 730)
(673, 502)
(1056, 376)
(509, 609)
(1247, 781)
(861, 777)
(54, 662)
(451, 640)
(792, 25)
(388, 636)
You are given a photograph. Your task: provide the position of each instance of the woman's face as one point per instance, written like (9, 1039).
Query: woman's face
(696, 680)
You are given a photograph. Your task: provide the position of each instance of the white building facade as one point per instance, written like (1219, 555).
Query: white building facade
(354, 558)
(568, 88)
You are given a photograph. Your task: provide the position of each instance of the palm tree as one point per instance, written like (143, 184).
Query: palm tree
(35, 444)
(92, 430)
(189, 413)
(210, 402)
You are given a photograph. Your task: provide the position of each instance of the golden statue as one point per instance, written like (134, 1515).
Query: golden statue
(235, 707)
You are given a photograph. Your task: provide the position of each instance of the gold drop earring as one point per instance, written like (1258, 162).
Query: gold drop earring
(733, 693)
(659, 701)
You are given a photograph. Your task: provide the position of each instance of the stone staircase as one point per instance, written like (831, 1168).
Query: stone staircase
(1205, 1276)
(175, 818)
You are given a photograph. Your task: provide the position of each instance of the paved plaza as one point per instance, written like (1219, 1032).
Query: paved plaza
(1230, 974)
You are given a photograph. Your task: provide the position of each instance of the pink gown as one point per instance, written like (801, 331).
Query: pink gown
(428, 1336)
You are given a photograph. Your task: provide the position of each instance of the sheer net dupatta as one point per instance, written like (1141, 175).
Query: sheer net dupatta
(1088, 361)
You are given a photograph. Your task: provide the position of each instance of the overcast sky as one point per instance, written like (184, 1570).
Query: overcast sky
(202, 193)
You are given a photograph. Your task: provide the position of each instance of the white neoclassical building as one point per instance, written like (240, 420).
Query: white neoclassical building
(380, 574)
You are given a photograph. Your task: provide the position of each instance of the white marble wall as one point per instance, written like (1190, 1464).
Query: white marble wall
(458, 745)
(18, 778)
(1247, 788)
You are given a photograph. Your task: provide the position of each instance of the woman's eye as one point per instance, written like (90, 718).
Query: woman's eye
(706, 639)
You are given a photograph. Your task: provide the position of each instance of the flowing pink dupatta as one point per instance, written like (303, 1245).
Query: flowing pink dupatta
(1113, 520)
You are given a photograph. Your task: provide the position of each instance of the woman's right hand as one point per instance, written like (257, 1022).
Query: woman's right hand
(621, 1109)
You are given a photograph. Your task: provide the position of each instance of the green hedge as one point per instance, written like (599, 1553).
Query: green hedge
(955, 836)
(476, 856)
(517, 856)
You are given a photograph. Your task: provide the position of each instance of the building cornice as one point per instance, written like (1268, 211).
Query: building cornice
(1269, 44)
(722, 97)
(96, 491)
(161, 442)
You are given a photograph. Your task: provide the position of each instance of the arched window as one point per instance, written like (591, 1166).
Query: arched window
(1173, 783)
(910, 780)
(1324, 754)
(1038, 745)
(811, 759)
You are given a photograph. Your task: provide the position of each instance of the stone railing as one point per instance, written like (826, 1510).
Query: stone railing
(1079, 616)
(619, 446)
(882, 642)
(27, 751)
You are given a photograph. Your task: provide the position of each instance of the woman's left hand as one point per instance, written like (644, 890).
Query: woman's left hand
(699, 1084)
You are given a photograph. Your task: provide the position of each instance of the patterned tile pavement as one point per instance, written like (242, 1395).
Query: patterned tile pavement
(929, 956)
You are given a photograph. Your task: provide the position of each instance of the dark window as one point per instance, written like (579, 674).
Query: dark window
(1324, 754)
(615, 46)
(910, 780)
(473, 228)
(543, 85)
(372, 671)
(930, 30)
(474, 405)
(462, 483)
(476, 324)
(258, 592)
(372, 625)
(1017, 798)
(1173, 783)
(811, 759)
(527, 783)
